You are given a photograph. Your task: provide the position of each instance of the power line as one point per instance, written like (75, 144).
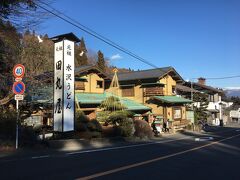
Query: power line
(219, 78)
(227, 77)
(94, 34)
(107, 40)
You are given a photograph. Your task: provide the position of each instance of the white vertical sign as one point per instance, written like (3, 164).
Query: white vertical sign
(64, 106)
(58, 86)
(68, 113)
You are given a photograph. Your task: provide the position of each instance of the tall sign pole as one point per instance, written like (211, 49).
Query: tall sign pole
(64, 94)
(18, 90)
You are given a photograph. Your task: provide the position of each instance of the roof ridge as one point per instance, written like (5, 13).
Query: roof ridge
(145, 70)
(208, 86)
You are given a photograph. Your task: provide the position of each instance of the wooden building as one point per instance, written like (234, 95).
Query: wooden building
(148, 92)
(155, 88)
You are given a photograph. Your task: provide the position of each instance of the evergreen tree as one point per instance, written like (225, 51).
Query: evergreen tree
(101, 62)
(81, 54)
(200, 110)
(112, 103)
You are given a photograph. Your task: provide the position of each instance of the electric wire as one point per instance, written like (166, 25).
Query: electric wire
(92, 33)
(107, 40)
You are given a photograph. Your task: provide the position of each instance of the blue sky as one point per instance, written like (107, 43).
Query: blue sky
(196, 37)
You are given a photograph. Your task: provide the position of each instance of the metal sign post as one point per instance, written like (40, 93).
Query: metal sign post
(18, 89)
(17, 124)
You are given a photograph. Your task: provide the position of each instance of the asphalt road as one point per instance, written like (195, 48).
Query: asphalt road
(213, 155)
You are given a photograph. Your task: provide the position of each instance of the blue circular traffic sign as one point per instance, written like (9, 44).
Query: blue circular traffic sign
(18, 87)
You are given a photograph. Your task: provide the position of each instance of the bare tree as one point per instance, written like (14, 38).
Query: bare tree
(23, 14)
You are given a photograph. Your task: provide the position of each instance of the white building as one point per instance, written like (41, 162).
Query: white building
(215, 104)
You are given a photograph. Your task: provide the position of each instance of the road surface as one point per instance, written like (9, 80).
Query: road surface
(214, 155)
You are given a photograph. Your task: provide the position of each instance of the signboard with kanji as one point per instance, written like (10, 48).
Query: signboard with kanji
(18, 97)
(64, 105)
(68, 85)
(58, 86)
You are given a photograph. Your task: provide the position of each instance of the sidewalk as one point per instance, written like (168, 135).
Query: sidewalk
(71, 145)
(82, 144)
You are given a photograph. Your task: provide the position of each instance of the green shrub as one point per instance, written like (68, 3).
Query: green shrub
(103, 117)
(28, 136)
(112, 103)
(117, 117)
(94, 125)
(81, 121)
(142, 129)
(7, 124)
(126, 128)
(123, 123)
(90, 128)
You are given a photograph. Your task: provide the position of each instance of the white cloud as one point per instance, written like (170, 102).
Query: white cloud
(232, 88)
(116, 57)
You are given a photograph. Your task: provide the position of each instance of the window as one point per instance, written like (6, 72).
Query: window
(153, 91)
(99, 84)
(128, 92)
(79, 85)
(211, 98)
(216, 98)
(173, 89)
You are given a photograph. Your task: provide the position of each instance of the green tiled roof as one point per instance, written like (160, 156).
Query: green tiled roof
(133, 105)
(90, 98)
(172, 99)
(94, 98)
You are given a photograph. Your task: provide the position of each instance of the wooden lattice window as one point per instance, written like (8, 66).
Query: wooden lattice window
(153, 91)
(128, 92)
(79, 85)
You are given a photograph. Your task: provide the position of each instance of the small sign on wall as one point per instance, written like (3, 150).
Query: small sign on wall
(177, 113)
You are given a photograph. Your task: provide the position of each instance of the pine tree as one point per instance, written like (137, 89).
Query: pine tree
(201, 109)
(81, 54)
(101, 62)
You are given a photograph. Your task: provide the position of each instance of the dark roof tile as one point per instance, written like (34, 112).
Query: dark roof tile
(145, 74)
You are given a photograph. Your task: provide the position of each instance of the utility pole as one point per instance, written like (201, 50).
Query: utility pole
(191, 92)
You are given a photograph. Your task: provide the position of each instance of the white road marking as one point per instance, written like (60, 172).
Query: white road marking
(204, 139)
(39, 157)
(238, 130)
(100, 174)
(124, 147)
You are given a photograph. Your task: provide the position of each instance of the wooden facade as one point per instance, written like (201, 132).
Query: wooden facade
(143, 89)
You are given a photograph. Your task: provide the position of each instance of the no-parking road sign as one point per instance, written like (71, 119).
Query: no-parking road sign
(18, 87)
(18, 71)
